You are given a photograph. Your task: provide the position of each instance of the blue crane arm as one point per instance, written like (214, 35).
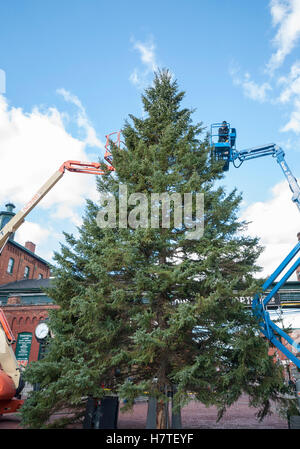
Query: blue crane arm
(274, 150)
(255, 152)
(294, 186)
(274, 333)
(259, 303)
(224, 149)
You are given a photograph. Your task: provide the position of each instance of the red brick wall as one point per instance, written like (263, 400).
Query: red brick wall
(25, 319)
(22, 259)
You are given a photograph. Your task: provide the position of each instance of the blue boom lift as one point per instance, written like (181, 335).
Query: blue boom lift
(223, 139)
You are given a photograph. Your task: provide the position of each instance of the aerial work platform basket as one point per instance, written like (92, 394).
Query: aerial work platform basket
(110, 141)
(222, 140)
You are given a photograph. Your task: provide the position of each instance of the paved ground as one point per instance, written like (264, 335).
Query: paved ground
(197, 416)
(194, 416)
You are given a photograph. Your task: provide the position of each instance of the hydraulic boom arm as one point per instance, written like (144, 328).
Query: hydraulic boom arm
(224, 150)
(268, 328)
(10, 376)
(277, 152)
(93, 168)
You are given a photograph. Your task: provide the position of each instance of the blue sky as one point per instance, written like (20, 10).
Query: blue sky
(76, 69)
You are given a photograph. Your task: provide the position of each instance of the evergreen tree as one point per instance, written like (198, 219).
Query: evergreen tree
(145, 309)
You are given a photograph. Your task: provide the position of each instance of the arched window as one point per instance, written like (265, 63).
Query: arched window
(13, 324)
(10, 266)
(26, 272)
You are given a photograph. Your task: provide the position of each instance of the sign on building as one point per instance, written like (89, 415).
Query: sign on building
(23, 348)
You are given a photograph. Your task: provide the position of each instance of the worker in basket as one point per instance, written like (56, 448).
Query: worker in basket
(223, 132)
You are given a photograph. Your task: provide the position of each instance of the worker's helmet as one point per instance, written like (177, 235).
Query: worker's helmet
(224, 122)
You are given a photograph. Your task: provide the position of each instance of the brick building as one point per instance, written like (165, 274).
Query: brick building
(19, 262)
(23, 276)
(25, 304)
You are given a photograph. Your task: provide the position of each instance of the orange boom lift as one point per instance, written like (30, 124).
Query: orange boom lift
(11, 382)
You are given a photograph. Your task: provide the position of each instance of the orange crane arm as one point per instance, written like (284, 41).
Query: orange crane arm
(10, 373)
(6, 327)
(93, 168)
(9, 370)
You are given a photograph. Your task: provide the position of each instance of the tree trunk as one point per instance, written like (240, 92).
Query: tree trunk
(161, 415)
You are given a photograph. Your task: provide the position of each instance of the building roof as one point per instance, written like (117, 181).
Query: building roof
(25, 285)
(23, 248)
(30, 291)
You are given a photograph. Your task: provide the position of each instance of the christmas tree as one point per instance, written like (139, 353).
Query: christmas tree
(151, 293)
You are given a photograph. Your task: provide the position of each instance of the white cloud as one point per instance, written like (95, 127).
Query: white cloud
(33, 147)
(147, 52)
(278, 11)
(276, 223)
(290, 83)
(284, 90)
(286, 17)
(290, 94)
(148, 58)
(294, 122)
(32, 232)
(255, 91)
(64, 211)
(82, 119)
